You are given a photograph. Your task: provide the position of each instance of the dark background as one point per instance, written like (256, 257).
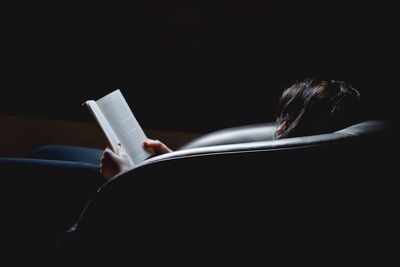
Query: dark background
(192, 66)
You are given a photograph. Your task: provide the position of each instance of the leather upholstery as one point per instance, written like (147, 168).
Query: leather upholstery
(234, 135)
(265, 132)
(248, 202)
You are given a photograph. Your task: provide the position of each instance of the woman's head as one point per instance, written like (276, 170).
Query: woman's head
(313, 107)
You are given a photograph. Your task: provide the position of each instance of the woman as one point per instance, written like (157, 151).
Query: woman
(307, 107)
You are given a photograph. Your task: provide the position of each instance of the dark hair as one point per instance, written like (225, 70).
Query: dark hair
(314, 107)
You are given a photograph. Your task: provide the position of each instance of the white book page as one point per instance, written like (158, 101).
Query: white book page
(104, 125)
(124, 124)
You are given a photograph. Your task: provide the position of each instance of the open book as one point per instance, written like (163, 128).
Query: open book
(119, 125)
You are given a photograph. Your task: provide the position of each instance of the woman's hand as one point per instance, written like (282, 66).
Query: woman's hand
(112, 163)
(155, 147)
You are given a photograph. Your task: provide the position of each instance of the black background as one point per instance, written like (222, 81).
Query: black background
(189, 65)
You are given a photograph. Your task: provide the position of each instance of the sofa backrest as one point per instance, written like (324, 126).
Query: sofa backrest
(234, 135)
(265, 132)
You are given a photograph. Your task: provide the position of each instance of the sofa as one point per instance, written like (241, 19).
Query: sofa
(238, 196)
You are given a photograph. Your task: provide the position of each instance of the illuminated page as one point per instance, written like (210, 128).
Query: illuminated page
(124, 124)
(102, 121)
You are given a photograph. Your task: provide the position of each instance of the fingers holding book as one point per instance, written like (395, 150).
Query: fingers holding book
(113, 163)
(155, 147)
